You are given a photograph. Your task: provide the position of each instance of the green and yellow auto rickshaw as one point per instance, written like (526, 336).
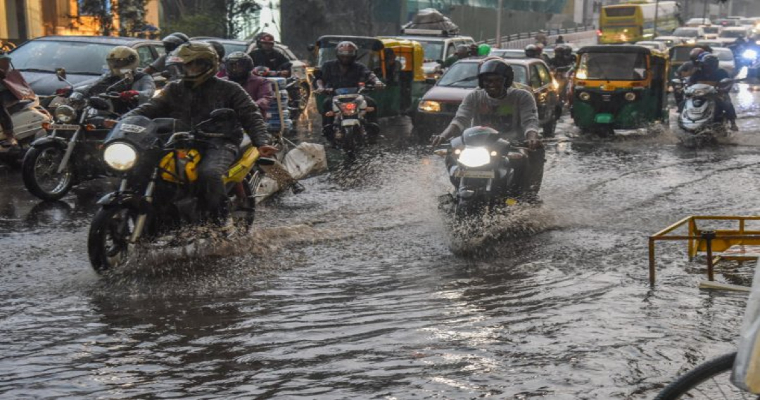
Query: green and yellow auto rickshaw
(619, 87)
(398, 63)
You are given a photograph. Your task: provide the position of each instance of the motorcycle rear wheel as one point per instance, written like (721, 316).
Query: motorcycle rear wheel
(40, 176)
(108, 240)
(710, 380)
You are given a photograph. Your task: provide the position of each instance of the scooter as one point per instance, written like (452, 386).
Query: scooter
(701, 120)
(28, 118)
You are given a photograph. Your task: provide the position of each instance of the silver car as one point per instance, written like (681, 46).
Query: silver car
(725, 59)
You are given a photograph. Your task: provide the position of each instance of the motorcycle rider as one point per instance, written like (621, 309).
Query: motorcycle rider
(190, 101)
(123, 60)
(171, 42)
(238, 67)
(266, 55)
(511, 111)
(563, 57)
(536, 51)
(346, 72)
(7, 99)
(708, 71)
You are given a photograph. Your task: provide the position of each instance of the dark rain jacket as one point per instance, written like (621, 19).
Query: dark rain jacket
(333, 77)
(190, 106)
(274, 60)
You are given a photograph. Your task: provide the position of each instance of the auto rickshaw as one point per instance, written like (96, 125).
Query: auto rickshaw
(619, 87)
(398, 63)
(679, 54)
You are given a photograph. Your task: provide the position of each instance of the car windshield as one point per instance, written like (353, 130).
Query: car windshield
(711, 29)
(233, 47)
(680, 54)
(75, 57)
(732, 34)
(612, 66)
(461, 75)
(724, 54)
(686, 32)
(433, 50)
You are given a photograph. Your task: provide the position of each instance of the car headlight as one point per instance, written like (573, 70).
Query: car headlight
(65, 114)
(584, 96)
(474, 157)
(430, 106)
(749, 54)
(120, 156)
(630, 96)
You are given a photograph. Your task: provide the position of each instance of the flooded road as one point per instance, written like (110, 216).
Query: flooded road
(350, 289)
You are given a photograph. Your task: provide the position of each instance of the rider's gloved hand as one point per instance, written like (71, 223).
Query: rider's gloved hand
(533, 140)
(379, 85)
(267, 150)
(128, 94)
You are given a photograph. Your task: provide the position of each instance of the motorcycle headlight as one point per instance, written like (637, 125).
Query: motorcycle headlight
(584, 96)
(474, 157)
(699, 93)
(120, 156)
(630, 96)
(430, 106)
(65, 114)
(749, 54)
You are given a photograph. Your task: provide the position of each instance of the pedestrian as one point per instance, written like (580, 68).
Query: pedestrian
(560, 40)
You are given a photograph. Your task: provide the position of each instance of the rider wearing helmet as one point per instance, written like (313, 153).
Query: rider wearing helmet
(563, 57)
(708, 70)
(512, 111)
(171, 43)
(346, 72)
(190, 101)
(686, 69)
(536, 51)
(133, 87)
(238, 67)
(265, 54)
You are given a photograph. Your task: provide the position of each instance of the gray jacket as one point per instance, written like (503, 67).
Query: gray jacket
(513, 116)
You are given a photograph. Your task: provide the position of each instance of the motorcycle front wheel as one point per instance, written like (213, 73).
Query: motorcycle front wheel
(108, 241)
(710, 380)
(243, 201)
(39, 171)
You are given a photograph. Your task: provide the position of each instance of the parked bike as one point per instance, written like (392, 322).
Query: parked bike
(28, 118)
(157, 195)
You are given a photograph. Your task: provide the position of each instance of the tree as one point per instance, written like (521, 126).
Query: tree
(131, 14)
(208, 17)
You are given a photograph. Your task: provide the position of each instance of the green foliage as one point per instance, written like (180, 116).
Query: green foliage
(197, 25)
(219, 18)
(131, 14)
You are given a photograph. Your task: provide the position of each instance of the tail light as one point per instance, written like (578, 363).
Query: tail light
(348, 108)
(598, 32)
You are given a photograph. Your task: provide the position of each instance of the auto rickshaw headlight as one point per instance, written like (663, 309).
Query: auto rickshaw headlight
(630, 96)
(430, 106)
(584, 96)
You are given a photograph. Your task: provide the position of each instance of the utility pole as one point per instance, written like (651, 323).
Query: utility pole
(498, 24)
(704, 12)
(656, 12)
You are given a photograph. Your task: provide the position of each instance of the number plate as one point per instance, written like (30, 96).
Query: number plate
(64, 127)
(474, 174)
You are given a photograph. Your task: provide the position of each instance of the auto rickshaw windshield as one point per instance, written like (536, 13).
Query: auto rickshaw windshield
(612, 66)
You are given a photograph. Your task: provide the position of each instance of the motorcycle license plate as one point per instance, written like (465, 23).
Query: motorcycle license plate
(63, 127)
(474, 174)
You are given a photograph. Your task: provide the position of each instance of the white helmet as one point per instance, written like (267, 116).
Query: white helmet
(122, 59)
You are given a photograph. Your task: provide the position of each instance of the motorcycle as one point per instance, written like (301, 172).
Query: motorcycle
(481, 168)
(701, 120)
(298, 91)
(349, 107)
(563, 78)
(69, 154)
(28, 118)
(156, 197)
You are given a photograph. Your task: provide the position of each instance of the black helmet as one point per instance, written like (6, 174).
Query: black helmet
(496, 66)
(218, 48)
(174, 40)
(709, 60)
(238, 65)
(563, 50)
(695, 53)
(346, 52)
(532, 51)
(264, 37)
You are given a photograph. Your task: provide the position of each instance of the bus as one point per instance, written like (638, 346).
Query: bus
(633, 22)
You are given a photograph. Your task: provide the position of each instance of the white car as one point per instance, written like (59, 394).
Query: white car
(729, 35)
(653, 44)
(689, 34)
(669, 41)
(712, 31)
(698, 22)
(725, 60)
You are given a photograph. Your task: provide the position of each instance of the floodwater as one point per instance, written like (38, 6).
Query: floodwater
(350, 289)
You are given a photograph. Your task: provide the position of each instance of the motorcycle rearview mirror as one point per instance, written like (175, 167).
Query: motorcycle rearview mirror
(61, 74)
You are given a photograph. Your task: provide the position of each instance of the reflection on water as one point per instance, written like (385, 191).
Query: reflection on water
(350, 289)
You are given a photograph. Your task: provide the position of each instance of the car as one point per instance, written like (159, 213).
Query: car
(710, 43)
(698, 21)
(669, 41)
(711, 31)
(438, 46)
(508, 53)
(653, 44)
(230, 45)
(729, 35)
(689, 34)
(726, 59)
(439, 105)
(83, 57)
(727, 22)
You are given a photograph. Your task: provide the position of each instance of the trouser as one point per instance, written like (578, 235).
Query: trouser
(529, 173)
(327, 122)
(215, 160)
(6, 122)
(725, 104)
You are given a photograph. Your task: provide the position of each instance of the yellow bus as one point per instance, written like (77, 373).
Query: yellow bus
(632, 22)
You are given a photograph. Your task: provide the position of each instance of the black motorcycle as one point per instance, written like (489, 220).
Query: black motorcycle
(350, 129)
(157, 195)
(70, 153)
(481, 168)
